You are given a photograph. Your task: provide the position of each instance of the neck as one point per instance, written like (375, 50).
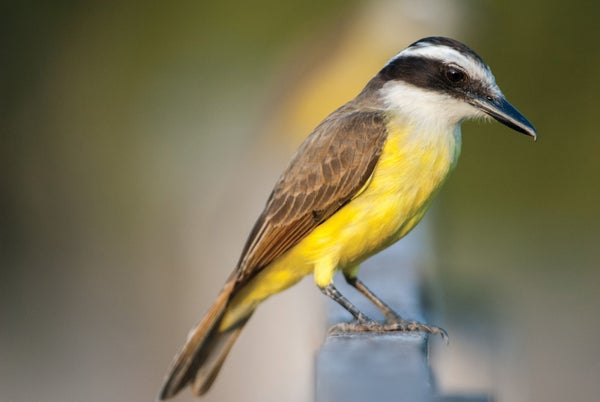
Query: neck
(426, 110)
(432, 119)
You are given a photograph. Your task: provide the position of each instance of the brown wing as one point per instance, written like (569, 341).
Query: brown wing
(328, 169)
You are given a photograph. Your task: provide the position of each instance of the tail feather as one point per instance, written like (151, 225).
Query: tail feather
(205, 350)
(207, 373)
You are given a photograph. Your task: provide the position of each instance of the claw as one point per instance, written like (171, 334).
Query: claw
(397, 325)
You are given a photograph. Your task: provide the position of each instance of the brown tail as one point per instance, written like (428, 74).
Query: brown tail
(205, 350)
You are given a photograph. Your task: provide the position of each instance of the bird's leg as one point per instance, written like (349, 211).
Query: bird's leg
(335, 294)
(393, 321)
(365, 324)
(390, 315)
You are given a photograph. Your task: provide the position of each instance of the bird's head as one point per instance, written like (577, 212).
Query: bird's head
(440, 81)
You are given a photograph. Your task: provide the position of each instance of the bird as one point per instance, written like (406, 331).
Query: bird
(360, 181)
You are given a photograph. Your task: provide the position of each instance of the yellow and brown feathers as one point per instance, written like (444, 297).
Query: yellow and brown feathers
(327, 171)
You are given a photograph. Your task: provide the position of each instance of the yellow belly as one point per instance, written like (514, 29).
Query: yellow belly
(411, 168)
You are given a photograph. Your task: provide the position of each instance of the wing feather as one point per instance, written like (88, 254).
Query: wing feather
(329, 168)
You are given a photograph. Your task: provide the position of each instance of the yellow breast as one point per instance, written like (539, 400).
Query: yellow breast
(412, 167)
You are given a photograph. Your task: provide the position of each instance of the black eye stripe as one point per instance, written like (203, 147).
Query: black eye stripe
(412, 69)
(432, 74)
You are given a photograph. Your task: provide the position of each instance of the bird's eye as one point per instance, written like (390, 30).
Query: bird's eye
(454, 75)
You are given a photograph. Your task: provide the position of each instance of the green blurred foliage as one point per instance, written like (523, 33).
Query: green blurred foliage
(538, 202)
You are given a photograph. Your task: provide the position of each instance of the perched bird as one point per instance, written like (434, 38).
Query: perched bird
(360, 182)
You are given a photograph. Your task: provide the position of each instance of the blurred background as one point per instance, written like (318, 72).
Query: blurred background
(139, 141)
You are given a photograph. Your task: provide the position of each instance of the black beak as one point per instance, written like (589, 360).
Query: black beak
(500, 109)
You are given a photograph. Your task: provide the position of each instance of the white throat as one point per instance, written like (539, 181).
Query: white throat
(426, 110)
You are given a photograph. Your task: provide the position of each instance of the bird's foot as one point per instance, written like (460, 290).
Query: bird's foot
(391, 325)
